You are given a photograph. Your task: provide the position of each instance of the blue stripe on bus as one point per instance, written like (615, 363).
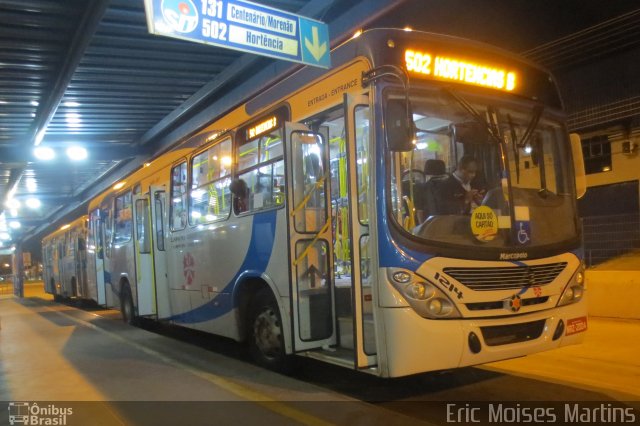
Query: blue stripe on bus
(255, 264)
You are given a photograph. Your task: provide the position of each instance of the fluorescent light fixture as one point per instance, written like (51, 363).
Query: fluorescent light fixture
(32, 185)
(44, 153)
(66, 226)
(14, 224)
(33, 203)
(12, 204)
(71, 104)
(35, 103)
(77, 153)
(119, 185)
(72, 117)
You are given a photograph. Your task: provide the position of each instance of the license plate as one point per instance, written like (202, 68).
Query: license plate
(576, 325)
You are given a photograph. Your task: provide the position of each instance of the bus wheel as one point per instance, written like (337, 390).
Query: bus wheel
(126, 306)
(266, 342)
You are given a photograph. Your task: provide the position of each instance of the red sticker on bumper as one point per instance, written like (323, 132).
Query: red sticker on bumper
(576, 325)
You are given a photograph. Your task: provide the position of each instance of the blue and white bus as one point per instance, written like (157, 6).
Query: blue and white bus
(308, 220)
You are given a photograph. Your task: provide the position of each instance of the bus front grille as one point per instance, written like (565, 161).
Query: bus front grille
(504, 278)
(500, 304)
(513, 333)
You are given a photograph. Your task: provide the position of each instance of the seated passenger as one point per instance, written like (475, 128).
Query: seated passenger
(425, 202)
(240, 193)
(459, 193)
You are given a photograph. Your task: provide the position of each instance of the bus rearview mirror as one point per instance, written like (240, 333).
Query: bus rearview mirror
(578, 165)
(399, 124)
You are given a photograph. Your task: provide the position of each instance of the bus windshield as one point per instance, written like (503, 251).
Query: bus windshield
(483, 173)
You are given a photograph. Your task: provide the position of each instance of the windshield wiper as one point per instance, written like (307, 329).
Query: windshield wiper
(490, 128)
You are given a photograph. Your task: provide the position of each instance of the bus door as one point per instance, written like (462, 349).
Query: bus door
(97, 228)
(145, 281)
(359, 161)
(159, 226)
(310, 247)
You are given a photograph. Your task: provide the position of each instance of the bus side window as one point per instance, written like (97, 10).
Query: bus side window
(124, 217)
(261, 167)
(210, 199)
(178, 209)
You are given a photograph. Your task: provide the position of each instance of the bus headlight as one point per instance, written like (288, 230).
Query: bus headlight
(440, 307)
(574, 290)
(423, 296)
(420, 290)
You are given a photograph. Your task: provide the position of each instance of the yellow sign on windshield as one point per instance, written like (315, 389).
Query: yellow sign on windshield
(459, 70)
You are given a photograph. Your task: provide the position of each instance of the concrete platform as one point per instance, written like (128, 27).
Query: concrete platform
(614, 287)
(54, 352)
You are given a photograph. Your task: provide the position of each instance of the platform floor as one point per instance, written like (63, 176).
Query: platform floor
(56, 352)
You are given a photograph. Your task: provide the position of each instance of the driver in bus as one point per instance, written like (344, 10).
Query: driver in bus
(461, 192)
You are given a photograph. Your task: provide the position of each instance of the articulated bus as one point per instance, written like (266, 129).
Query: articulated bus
(306, 220)
(64, 255)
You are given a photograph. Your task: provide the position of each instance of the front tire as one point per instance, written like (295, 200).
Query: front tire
(126, 306)
(266, 339)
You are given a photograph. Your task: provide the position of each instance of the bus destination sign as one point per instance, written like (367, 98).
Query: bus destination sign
(244, 26)
(453, 68)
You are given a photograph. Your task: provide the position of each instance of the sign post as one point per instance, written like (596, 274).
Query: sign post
(244, 26)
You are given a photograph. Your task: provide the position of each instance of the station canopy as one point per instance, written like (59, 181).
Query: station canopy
(87, 74)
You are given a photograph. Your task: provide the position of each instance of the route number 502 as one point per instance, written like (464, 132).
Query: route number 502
(418, 62)
(214, 29)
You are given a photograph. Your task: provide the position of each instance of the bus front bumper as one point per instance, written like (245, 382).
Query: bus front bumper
(415, 344)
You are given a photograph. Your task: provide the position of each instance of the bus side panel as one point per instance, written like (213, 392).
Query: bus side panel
(209, 266)
(122, 268)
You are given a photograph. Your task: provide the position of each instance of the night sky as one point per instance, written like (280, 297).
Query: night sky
(516, 25)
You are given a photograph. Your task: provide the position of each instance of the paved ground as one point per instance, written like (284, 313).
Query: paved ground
(55, 352)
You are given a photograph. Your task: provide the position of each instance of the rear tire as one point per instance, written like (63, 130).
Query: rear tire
(126, 306)
(266, 339)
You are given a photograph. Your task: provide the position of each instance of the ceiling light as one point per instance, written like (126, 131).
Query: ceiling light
(12, 204)
(33, 203)
(35, 103)
(77, 153)
(5, 236)
(71, 104)
(44, 153)
(65, 226)
(14, 224)
(32, 185)
(72, 117)
(119, 185)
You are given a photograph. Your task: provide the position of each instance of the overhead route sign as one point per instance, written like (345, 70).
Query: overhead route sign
(244, 26)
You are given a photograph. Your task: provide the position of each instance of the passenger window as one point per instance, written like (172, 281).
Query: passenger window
(123, 213)
(211, 177)
(178, 213)
(265, 179)
(142, 226)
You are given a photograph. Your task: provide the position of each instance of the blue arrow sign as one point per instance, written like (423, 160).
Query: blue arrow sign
(244, 26)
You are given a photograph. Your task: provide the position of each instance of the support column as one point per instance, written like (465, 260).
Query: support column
(18, 272)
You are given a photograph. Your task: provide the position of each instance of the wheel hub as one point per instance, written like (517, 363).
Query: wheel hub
(266, 329)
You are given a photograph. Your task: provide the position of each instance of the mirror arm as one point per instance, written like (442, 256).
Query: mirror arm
(399, 73)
